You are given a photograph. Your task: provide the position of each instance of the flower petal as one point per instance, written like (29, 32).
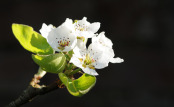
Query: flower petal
(81, 44)
(87, 34)
(97, 52)
(116, 60)
(83, 22)
(69, 24)
(94, 27)
(79, 52)
(45, 30)
(76, 61)
(90, 71)
(102, 39)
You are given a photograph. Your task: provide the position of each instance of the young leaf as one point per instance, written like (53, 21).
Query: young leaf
(79, 86)
(53, 63)
(31, 40)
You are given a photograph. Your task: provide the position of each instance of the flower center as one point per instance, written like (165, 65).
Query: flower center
(62, 44)
(87, 61)
(80, 27)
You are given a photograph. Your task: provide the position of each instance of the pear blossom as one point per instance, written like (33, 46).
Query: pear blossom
(73, 36)
(106, 46)
(89, 59)
(97, 56)
(84, 29)
(62, 38)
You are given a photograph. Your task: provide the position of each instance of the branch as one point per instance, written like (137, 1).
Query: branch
(31, 92)
(34, 90)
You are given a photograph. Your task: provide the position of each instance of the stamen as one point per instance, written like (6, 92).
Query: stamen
(88, 61)
(62, 43)
(80, 27)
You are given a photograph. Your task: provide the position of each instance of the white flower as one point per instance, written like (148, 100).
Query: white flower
(84, 29)
(89, 59)
(61, 39)
(106, 46)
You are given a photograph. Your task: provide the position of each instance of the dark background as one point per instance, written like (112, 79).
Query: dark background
(143, 35)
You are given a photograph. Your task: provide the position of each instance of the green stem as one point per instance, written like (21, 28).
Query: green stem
(67, 57)
(41, 72)
(75, 71)
(37, 78)
(70, 66)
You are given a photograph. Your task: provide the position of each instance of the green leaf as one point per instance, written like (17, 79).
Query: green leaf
(53, 63)
(31, 40)
(79, 86)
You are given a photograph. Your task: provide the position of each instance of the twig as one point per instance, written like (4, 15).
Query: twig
(34, 90)
(31, 92)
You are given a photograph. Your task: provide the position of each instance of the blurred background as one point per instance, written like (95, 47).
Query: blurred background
(143, 35)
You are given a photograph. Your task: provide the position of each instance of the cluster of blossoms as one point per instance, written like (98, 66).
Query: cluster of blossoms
(73, 35)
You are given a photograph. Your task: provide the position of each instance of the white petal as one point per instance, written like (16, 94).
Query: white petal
(45, 30)
(100, 49)
(84, 18)
(87, 34)
(76, 61)
(94, 39)
(106, 40)
(94, 27)
(69, 24)
(102, 39)
(101, 63)
(108, 51)
(84, 21)
(51, 39)
(116, 60)
(79, 52)
(97, 52)
(81, 44)
(90, 71)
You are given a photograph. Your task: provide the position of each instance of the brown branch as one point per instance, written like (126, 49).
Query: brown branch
(32, 92)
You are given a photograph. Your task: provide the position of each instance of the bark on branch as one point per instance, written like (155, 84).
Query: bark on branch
(31, 92)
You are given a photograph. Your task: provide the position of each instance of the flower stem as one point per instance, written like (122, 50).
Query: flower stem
(41, 73)
(75, 71)
(34, 82)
